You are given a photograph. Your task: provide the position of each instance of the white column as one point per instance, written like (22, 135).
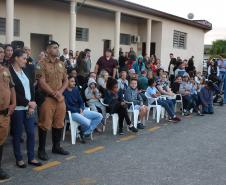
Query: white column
(148, 42)
(9, 21)
(72, 31)
(117, 34)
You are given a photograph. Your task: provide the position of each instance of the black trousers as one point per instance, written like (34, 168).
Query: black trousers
(123, 114)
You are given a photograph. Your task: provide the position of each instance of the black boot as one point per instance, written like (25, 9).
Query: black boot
(42, 144)
(3, 175)
(56, 137)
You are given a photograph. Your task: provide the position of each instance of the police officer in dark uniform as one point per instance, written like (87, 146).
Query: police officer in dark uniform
(52, 81)
(7, 106)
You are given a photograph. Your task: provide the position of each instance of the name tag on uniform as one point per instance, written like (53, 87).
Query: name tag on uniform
(60, 65)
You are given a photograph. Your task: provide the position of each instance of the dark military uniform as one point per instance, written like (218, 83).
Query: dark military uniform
(52, 110)
(6, 84)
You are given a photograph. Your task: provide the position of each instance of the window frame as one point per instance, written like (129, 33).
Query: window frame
(179, 39)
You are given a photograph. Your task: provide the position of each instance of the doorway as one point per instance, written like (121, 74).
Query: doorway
(107, 45)
(38, 43)
(152, 50)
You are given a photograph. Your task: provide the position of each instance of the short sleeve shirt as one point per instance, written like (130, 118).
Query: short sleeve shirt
(6, 83)
(151, 91)
(163, 84)
(53, 72)
(107, 65)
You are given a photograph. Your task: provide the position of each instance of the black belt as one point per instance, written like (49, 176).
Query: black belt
(4, 112)
(50, 96)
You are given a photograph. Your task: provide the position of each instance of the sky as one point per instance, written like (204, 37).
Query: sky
(213, 11)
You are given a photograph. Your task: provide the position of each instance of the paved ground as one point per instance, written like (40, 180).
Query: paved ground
(192, 152)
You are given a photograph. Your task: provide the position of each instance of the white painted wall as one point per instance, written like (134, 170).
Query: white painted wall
(156, 37)
(38, 17)
(195, 40)
(46, 17)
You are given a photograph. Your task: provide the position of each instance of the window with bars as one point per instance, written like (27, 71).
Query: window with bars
(3, 26)
(82, 34)
(179, 39)
(125, 39)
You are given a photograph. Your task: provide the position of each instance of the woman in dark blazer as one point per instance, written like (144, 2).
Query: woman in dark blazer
(23, 77)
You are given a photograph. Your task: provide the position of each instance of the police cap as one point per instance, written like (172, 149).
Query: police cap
(51, 42)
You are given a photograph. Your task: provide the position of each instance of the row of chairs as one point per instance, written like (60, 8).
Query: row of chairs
(158, 112)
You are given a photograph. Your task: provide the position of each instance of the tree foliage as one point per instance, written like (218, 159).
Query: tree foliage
(218, 48)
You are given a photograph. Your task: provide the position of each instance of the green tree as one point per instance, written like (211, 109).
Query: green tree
(218, 48)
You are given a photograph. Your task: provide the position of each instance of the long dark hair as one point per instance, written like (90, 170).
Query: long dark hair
(172, 61)
(81, 58)
(111, 83)
(17, 53)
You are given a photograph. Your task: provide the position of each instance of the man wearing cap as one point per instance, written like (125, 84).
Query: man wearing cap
(52, 80)
(7, 106)
(107, 63)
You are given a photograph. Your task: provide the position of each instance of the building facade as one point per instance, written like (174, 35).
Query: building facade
(101, 24)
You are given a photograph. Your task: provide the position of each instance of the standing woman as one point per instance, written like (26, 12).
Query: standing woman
(25, 106)
(171, 67)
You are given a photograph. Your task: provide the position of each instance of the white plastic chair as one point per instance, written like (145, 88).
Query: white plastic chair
(180, 101)
(134, 113)
(114, 119)
(73, 126)
(156, 108)
(74, 129)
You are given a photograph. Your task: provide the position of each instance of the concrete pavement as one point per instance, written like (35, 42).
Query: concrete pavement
(192, 152)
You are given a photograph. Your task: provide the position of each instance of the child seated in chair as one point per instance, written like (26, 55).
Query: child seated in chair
(114, 99)
(133, 95)
(167, 104)
(93, 97)
(88, 120)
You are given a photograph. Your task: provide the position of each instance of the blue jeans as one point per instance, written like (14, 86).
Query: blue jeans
(88, 120)
(20, 119)
(168, 105)
(221, 78)
(207, 109)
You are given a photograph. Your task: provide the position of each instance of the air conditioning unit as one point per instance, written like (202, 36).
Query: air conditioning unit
(135, 39)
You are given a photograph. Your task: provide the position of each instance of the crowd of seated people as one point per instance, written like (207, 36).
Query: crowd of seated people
(109, 89)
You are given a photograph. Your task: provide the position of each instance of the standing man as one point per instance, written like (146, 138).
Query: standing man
(221, 65)
(30, 60)
(107, 63)
(88, 62)
(7, 106)
(65, 55)
(52, 80)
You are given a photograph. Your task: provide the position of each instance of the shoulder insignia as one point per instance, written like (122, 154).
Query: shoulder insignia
(60, 65)
(5, 74)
